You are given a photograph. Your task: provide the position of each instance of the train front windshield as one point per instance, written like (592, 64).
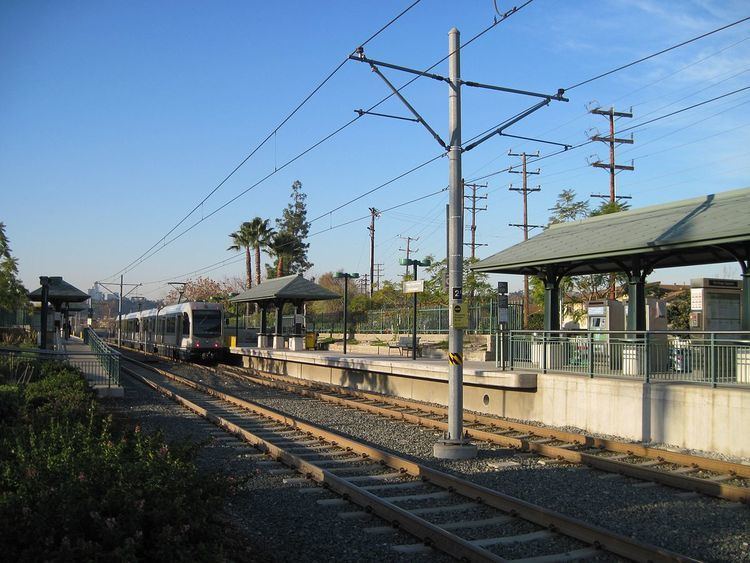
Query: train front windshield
(207, 324)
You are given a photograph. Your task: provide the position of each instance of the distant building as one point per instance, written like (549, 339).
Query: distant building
(96, 294)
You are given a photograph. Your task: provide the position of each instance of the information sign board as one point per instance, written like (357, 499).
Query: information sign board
(460, 314)
(414, 286)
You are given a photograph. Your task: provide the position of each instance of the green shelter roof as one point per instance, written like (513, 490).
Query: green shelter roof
(287, 288)
(60, 291)
(703, 230)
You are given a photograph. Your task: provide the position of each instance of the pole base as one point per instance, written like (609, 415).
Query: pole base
(454, 449)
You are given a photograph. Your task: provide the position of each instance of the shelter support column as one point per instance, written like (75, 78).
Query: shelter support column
(278, 336)
(296, 340)
(263, 337)
(637, 296)
(745, 295)
(551, 299)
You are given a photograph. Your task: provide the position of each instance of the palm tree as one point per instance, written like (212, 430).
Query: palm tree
(243, 238)
(281, 245)
(261, 233)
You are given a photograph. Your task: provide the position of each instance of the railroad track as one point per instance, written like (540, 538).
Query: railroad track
(441, 511)
(712, 477)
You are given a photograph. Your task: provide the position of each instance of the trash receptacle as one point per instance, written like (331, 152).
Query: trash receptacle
(311, 339)
(86, 336)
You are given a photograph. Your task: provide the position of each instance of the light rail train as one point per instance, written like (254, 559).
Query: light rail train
(187, 331)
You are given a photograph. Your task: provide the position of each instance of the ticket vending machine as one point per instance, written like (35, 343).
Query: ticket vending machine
(606, 315)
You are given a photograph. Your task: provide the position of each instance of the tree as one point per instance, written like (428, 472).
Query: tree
(13, 295)
(256, 234)
(578, 290)
(566, 208)
(284, 246)
(243, 238)
(204, 289)
(294, 222)
(678, 312)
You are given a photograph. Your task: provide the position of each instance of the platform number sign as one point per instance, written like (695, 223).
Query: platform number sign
(458, 293)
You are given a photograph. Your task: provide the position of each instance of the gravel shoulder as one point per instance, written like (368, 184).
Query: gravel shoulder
(275, 520)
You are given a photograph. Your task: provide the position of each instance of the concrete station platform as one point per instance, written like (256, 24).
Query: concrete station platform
(81, 356)
(680, 414)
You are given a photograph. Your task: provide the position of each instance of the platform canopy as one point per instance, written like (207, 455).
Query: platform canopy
(291, 289)
(276, 292)
(60, 292)
(703, 230)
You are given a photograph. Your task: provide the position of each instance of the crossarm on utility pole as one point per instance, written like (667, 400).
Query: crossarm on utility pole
(408, 105)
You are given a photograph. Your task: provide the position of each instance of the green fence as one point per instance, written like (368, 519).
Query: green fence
(108, 358)
(483, 319)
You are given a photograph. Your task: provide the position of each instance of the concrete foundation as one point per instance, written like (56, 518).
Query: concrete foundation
(296, 343)
(679, 414)
(278, 342)
(264, 341)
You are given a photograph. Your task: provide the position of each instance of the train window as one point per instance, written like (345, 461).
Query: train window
(171, 324)
(185, 324)
(207, 323)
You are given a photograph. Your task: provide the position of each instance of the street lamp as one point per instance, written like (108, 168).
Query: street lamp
(346, 277)
(424, 263)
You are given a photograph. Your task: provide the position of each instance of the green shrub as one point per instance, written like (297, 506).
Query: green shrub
(71, 488)
(10, 404)
(73, 492)
(62, 394)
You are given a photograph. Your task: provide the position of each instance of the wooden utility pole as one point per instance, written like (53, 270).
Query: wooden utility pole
(364, 284)
(378, 273)
(524, 190)
(374, 214)
(612, 166)
(474, 210)
(408, 249)
(612, 141)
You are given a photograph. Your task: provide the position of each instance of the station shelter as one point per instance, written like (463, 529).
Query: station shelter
(709, 229)
(61, 295)
(274, 294)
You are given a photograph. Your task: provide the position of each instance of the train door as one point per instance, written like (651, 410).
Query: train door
(185, 331)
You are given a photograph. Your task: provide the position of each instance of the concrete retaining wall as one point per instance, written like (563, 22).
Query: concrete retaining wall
(683, 415)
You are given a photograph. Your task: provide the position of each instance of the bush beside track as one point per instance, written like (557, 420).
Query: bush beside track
(75, 487)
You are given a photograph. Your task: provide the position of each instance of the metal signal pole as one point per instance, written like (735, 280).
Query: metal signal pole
(454, 445)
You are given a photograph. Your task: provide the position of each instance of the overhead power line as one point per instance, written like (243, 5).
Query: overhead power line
(651, 56)
(153, 250)
(270, 135)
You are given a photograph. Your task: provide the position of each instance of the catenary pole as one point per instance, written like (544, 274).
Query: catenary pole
(454, 446)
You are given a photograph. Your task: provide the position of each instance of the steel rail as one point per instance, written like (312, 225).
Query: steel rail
(677, 480)
(429, 533)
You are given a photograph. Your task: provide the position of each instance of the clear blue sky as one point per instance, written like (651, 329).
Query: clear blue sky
(117, 118)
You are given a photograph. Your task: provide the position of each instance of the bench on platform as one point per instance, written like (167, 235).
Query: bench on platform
(404, 344)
